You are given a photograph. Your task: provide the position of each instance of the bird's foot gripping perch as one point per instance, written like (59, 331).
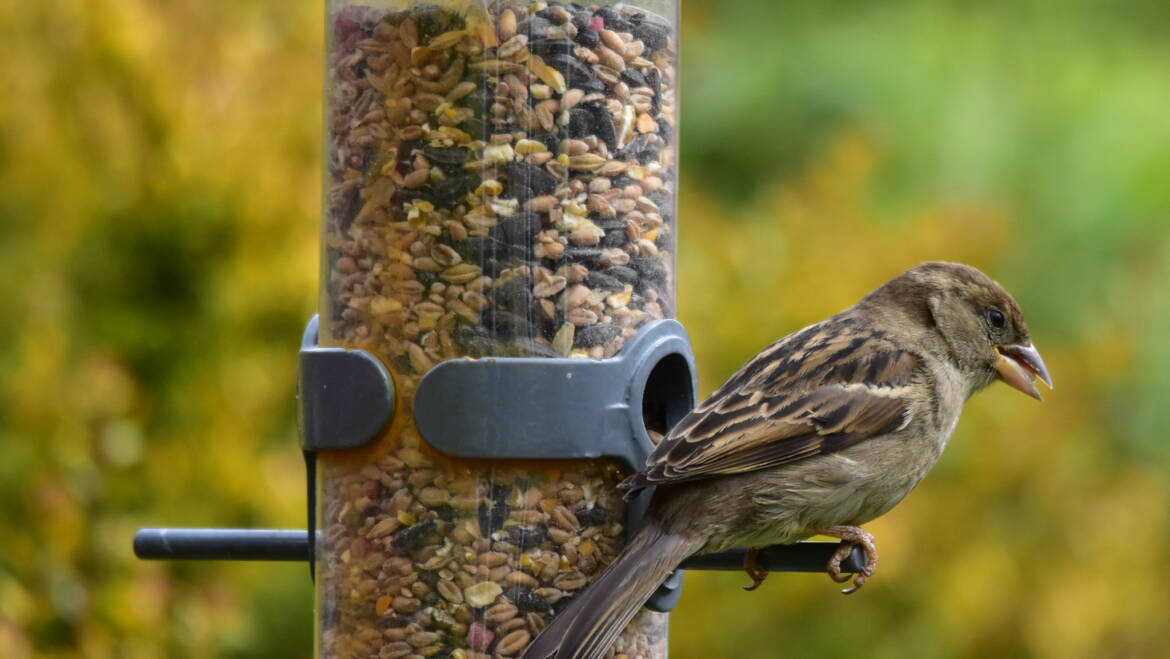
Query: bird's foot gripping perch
(749, 565)
(850, 537)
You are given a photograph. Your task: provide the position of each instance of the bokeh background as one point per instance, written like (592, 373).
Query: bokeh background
(159, 200)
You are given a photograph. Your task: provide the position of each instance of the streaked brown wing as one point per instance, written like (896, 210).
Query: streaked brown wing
(815, 392)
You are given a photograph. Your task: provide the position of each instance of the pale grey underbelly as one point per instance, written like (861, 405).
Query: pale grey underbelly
(790, 503)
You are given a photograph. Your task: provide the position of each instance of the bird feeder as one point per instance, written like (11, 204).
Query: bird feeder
(500, 237)
(496, 345)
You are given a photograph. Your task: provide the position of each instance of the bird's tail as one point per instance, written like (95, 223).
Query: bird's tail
(592, 621)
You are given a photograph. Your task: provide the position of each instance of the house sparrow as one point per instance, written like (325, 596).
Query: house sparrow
(826, 429)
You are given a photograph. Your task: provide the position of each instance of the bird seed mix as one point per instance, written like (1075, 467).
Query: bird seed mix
(501, 181)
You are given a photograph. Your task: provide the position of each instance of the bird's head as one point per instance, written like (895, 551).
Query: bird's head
(979, 321)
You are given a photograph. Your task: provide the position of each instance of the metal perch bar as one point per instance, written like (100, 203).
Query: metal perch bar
(222, 544)
(801, 557)
(293, 545)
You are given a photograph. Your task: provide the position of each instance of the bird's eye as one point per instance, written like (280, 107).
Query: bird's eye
(995, 317)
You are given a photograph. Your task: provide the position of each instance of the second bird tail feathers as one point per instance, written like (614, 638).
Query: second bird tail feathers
(593, 620)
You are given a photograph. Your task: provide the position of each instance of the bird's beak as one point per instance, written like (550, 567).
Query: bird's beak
(1020, 366)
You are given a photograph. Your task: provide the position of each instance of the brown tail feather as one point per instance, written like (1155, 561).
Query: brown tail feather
(593, 620)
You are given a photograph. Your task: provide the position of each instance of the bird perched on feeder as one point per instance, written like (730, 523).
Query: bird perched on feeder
(824, 430)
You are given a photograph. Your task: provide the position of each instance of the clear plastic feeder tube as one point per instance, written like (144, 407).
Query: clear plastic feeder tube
(500, 180)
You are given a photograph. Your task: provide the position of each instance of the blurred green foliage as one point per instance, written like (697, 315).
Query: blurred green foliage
(159, 196)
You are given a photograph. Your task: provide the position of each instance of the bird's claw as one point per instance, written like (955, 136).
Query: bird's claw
(749, 565)
(858, 582)
(757, 579)
(851, 537)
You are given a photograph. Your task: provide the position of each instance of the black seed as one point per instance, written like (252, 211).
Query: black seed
(622, 273)
(518, 190)
(368, 156)
(586, 37)
(433, 20)
(644, 147)
(592, 516)
(549, 140)
(429, 577)
(580, 122)
(518, 229)
(581, 20)
(515, 295)
(393, 620)
(473, 340)
(634, 77)
(603, 125)
(665, 131)
(498, 493)
(661, 199)
(409, 537)
(480, 98)
(455, 155)
(613, 21)
(445, 511)
(663, 240)
(649, 270)
(615, 238)
(576, 73)
(602, 282)
(551, 47)
(622, 180)
(583, 254)
(475, 128)
(595, 335)
(527, 348)
(533, 178)
(654, 82)
(491, 267)
(526, 537)
(491, 518)
(526, 600)
(508, 326)
(405, 155)
(651, 30)
(607, 14)
(448, 192)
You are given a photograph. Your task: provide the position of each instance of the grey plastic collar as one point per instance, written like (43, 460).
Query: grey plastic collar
(558, 409)
(345, 398)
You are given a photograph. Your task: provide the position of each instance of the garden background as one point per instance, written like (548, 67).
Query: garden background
(159, 204)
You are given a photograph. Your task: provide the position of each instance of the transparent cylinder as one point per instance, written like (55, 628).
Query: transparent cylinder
(500, 180)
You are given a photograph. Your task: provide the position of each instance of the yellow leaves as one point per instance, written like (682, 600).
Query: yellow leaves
(1038, 535)
(811, 246)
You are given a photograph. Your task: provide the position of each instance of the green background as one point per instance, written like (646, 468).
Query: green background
(159, 200)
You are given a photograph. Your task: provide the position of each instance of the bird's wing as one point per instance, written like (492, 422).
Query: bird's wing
(817, 391)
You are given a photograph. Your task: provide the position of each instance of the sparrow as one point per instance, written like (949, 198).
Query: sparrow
(825, 430)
